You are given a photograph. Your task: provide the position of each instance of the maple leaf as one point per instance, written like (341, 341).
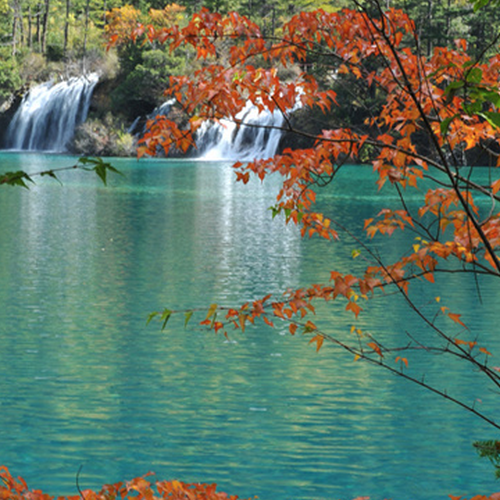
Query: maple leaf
(319, 339)
(456, 318)
(354, 307)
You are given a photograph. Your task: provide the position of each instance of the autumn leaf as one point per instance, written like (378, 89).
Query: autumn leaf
(456, 318)
(319, 339)
(211, 310)
(402, 360)
(354, 307)
(376, 348)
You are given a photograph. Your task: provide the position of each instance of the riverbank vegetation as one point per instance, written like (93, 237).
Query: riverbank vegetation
(56, 39)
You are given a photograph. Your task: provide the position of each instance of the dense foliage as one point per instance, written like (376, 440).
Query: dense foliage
(139, 488)
(43, 38)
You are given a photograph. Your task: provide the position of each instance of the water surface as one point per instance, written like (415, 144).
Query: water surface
(83, 380)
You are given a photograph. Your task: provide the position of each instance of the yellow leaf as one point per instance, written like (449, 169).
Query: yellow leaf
(211, 310)
(243, 318)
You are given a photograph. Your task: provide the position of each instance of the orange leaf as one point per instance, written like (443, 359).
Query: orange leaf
(456, 318)
(376, 348)
(495, 186)
(402, 360)
(429, 277)
(354, 307)
(310, 327)
(243, 318)
(268, 322)
(319, 341)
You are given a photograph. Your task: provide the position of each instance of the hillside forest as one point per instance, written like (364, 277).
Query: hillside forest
(57, 39)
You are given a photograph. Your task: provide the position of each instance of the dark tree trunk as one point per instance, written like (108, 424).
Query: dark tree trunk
(66, 26)
(45, 25)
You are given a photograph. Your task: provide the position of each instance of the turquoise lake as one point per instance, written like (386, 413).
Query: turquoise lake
(85, 382)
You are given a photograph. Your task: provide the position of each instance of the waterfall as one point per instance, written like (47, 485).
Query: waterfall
(49, 113)
(138, 126)
(257, 139)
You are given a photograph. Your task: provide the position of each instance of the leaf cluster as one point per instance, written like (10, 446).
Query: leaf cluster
(139, 488)
(491, 451)
(96, 165)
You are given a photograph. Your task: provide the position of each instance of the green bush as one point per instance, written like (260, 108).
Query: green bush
(10, 81)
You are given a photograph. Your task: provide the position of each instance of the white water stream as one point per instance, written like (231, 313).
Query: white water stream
(258, 138)
(49, 114)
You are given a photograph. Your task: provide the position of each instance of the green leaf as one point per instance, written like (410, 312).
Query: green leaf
(151, 317)
(188, 317)
(491, 451)
(50, 173)
(214, 319)
(165, 316)
(452, 88)
(18, 178)
(445, 124)
(493, 97)
(275, 211)
(473, 108)
(100, 167)
(479, 4)
(492, 118)
(474, 75)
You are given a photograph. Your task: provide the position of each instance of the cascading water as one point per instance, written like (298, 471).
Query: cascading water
(138, 127)
(49, 113)
(258, 138)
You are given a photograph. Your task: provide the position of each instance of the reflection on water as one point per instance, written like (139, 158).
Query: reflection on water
(84, 381)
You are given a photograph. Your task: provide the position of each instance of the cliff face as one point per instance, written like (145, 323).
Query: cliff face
(7, 111)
